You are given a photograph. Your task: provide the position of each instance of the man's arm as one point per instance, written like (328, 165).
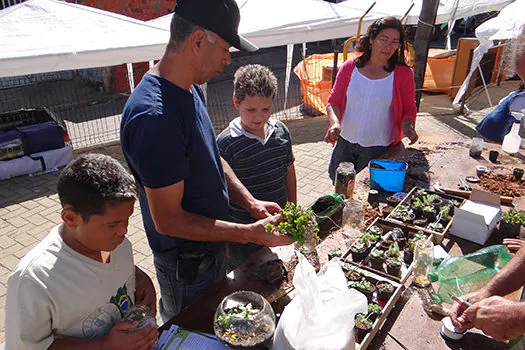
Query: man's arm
(171, 219)
(291, 183)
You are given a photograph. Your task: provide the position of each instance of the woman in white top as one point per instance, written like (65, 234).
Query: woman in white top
(372, 106)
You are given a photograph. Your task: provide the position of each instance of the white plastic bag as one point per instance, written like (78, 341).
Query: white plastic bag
(321, 315)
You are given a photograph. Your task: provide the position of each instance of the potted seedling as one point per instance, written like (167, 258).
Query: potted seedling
(393, 266)
(408, 251)
(417, 206)
(511, 222)
(429, 212)
(333, 253)
(421, 222)
(384, 290)
(369, 238)
(392, 201)
(374, 310)
(358, 250)
(375, 230)
(444, 213)
(353, 275)
(364, 286)
(362, 325)
(420, 193)
(435, 226)
(393, 251)
(377, 258)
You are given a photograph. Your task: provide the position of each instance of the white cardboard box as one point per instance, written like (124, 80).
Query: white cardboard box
(476, 219)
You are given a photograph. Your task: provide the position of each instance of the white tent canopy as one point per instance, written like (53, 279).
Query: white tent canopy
(40, 36)
(269, 23)
(509, 23)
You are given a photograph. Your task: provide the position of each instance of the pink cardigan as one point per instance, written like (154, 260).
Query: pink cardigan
(403, 98)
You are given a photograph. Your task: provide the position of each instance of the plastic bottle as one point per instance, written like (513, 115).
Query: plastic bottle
(512, 141)
(464, 274)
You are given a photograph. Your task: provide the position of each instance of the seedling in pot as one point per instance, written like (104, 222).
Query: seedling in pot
(353, 275)
(435, 226)
(375, 230)
(377, 258)
(429, 212)
(511, 222)
(358, 250)
(393, 266)
(384, 290)
(365, 287)
(408, 251)
(369, 238)
(334, 253)
(363, 325)
(393, 250)
(417, 206)
(374, 310)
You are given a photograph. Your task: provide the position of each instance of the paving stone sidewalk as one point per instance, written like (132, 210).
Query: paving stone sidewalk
(29, 206)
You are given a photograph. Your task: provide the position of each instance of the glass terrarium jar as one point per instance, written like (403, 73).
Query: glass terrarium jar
(244, 320)
(141, 314)
(309, 247)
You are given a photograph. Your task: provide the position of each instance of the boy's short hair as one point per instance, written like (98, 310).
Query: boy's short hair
(254, 80)
(92, 182)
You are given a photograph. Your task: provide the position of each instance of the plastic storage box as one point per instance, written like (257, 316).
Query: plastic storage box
(387, 175)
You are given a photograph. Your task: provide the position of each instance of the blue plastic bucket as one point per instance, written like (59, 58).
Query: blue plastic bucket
(391, 178)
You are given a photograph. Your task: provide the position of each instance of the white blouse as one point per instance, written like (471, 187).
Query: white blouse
(368, 118)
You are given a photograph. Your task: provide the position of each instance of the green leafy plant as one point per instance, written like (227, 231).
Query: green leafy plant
(516, 217)
(421, 192)
(430, 198)
(394, 262)
(444, 211)
(374, 230)
(454, 202)
(363, 320)
(429, 209)
(417, 203)
(435, 226)
(376, 253)
(240, 312)
(374, 308)
(420, 235)
(359, 246)
(369, 238)
(298, 223)
(363, 285)
(393, 250)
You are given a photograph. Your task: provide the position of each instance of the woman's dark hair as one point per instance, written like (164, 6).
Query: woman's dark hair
(93, 182)
(373, 31)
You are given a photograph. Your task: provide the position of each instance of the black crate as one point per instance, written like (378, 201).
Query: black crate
(22, 117)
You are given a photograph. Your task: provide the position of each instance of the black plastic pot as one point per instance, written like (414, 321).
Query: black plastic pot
(358, 256)
(394, 270)
(408, 256)
(384, 295)
(361, 332)
(377, 263)
(392, 201)
(518, 173)
(429, 215)
(508, 229)
(422, 222)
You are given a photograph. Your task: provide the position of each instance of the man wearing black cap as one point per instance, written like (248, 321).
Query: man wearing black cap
(169, 144)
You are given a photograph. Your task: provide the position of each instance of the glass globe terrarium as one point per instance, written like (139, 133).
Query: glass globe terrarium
(244, 320)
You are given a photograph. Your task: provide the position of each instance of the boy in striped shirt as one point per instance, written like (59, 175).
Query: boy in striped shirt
(258, 149)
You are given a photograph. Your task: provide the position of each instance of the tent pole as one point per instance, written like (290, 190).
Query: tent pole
(131, 81)
(485, 85)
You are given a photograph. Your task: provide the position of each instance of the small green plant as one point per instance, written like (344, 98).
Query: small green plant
(417, 203)
(420, 235)
(444, 211)
(393, 250)
(394, 262)
(454, 202)
(411, 244)
(374, 230)
(435, 226)
(429, 209)
(239, 312)
(374, 308)
(516, 217)
(430, 198)
(363, 285)
(369, 238)
(298, 223)
(364, 321)
(376, 253)
(359, 246)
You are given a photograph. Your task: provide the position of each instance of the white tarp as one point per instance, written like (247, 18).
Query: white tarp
(40, 36)
(269, 23)
(508, 24)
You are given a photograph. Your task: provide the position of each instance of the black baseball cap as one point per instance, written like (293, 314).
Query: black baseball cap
(220, 16)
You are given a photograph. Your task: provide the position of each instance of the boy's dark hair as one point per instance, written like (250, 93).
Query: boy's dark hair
(254, 80)
(373, 31)
(92, 182)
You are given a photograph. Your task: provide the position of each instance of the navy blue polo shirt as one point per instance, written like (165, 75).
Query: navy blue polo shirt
(167, 136)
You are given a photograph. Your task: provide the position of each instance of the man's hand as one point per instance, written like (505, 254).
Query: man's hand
(332, 134)
(409, 131)
(268, 239)
(263, 209)
(497, 317)
(457, 310)
(145, 291)
(514, 244)
(119, 337)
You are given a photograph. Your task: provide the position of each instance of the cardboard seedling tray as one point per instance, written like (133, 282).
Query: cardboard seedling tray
(437, 237)
(387, 306)
(386, 226)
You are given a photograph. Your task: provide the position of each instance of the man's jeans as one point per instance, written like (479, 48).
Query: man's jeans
(345, 151)
(176, 293)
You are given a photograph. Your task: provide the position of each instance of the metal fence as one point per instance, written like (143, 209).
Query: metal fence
(93, 117)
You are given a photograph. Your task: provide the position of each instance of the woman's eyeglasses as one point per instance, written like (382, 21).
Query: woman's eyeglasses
(385, 42)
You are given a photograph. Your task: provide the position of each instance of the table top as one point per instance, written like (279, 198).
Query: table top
(445, 160)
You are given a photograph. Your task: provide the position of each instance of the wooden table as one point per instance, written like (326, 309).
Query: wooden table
(408, 324)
